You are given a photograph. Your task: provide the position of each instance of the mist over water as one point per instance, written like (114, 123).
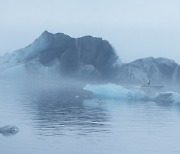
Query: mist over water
(60, 117)
(75, 79)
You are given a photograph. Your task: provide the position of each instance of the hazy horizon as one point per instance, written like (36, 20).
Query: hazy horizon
(136, 29)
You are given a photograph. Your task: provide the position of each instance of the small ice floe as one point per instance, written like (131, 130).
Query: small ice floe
(9, 130)
(168, 97)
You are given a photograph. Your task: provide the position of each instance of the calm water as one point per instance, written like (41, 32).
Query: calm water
(61, 120)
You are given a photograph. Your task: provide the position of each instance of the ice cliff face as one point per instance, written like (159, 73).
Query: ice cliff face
(62, 55)
(159, 71)
(57, 55)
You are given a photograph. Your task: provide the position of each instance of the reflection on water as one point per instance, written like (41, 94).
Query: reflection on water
(59, 111)
(54, 118)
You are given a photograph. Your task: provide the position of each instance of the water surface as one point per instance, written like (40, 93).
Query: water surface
(54, 118)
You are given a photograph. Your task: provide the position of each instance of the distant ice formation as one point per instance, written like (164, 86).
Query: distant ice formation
(85, 58)
(158, 70)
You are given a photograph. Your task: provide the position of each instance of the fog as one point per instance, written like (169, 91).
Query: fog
(61, 115)
(136, 29)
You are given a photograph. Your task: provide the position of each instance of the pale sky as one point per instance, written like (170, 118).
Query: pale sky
(135, 28)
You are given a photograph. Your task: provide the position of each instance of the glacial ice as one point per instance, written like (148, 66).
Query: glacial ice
(75, 56)
(80, 57)
(16, 71)
(113, 91)
(167, 97)
(9, 130)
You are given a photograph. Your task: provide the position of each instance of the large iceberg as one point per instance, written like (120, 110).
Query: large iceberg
(85, 58)
(59, 54)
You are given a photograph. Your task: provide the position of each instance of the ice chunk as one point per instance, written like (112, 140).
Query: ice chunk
(167, 97)
(113, 91)
(8, 130)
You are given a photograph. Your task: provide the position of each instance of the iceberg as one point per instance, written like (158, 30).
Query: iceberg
(61, 55)
(113, 91)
